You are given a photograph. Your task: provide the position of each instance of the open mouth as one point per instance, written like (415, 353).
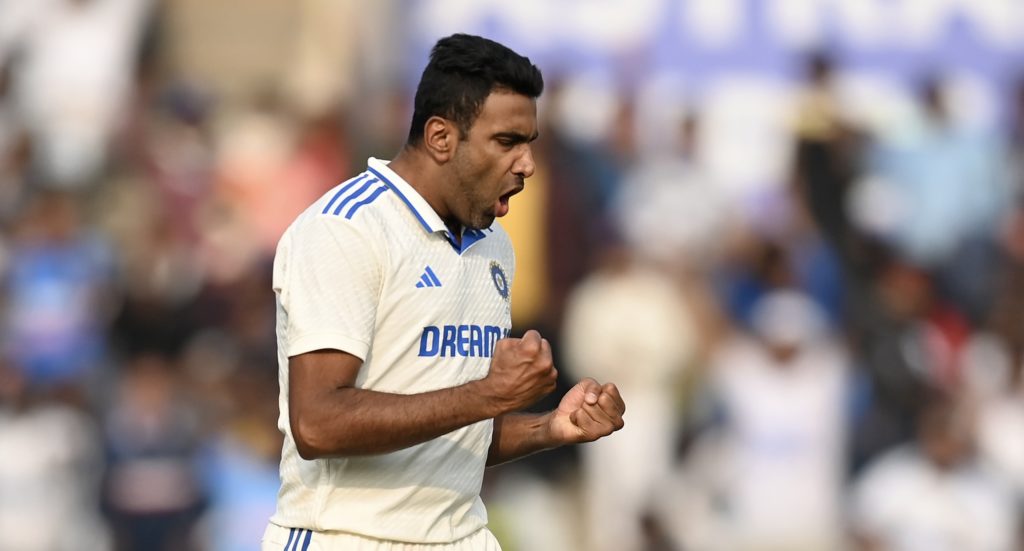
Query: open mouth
(503, 201)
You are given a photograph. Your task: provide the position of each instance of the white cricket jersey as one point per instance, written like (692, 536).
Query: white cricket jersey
(370, 269)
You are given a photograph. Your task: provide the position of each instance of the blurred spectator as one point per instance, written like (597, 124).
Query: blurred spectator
(9, 124)
(999, 401)
(934, 493)
(240, 466)
(587, 144)
(756, 264)
(629, 323)
(173, 147)
(15, 149)
(153, 492)
(944, 186)
(1006, 315)
(73, 69)
(827, 155)
(15, 178)
(59, 286)
(768, 473)
(1016, 139)
(162, 280)
(49, 471)
(908, 340)
(247, 318)
(269, 168)
(324, 55)
(669, 208)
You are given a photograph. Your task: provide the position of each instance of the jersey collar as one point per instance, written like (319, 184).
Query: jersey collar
(412, 199)
(422, 210)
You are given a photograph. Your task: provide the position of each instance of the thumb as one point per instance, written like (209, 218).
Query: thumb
(530, 344)
(591, 390)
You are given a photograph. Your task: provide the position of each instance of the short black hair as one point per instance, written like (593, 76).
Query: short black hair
(463, 70)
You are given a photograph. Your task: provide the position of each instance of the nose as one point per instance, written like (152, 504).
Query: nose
(525, 165)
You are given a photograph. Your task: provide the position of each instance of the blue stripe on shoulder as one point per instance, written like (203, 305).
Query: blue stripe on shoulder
(343, 189)
(404, 199)
(366, 185)
(291, 536)
(373, 196)
(305, 543)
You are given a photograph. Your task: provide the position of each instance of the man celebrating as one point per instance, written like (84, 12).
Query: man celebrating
(399, 383)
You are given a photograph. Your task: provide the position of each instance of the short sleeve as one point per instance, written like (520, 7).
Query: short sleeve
(327, 276)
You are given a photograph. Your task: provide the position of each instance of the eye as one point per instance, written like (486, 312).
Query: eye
(509, 140)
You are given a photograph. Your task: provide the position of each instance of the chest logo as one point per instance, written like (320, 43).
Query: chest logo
(500, 279)
(428, 279)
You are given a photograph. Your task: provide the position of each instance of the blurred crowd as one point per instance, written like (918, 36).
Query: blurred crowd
(831, 358)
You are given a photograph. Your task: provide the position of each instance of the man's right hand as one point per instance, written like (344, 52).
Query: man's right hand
(521, 373)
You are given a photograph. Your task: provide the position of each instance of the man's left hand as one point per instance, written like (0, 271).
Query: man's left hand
(587, 412)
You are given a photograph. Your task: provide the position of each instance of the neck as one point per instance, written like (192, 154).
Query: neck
(424, 175)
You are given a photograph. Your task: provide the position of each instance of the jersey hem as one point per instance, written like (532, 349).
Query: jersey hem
(332, 341)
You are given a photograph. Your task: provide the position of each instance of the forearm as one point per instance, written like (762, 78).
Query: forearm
(329, 416)
(352, 421)
(519, 434)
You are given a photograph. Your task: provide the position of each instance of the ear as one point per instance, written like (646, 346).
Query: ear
(440, 138)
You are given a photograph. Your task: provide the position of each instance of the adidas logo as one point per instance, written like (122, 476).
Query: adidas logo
(428, 279)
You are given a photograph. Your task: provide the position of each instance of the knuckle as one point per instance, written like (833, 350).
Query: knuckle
(530, 347)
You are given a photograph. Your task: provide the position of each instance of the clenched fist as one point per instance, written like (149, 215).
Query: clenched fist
(587, 412)
(521, 373)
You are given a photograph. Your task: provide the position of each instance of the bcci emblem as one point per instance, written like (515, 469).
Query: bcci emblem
(499, 279)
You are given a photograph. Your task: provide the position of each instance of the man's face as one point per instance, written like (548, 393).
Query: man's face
(491, 163)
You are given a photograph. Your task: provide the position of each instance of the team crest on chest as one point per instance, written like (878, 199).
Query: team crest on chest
(500, 279)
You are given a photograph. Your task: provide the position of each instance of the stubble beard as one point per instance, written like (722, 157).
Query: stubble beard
(477, 214)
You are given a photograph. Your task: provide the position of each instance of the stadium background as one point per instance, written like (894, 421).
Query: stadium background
(791, 231)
